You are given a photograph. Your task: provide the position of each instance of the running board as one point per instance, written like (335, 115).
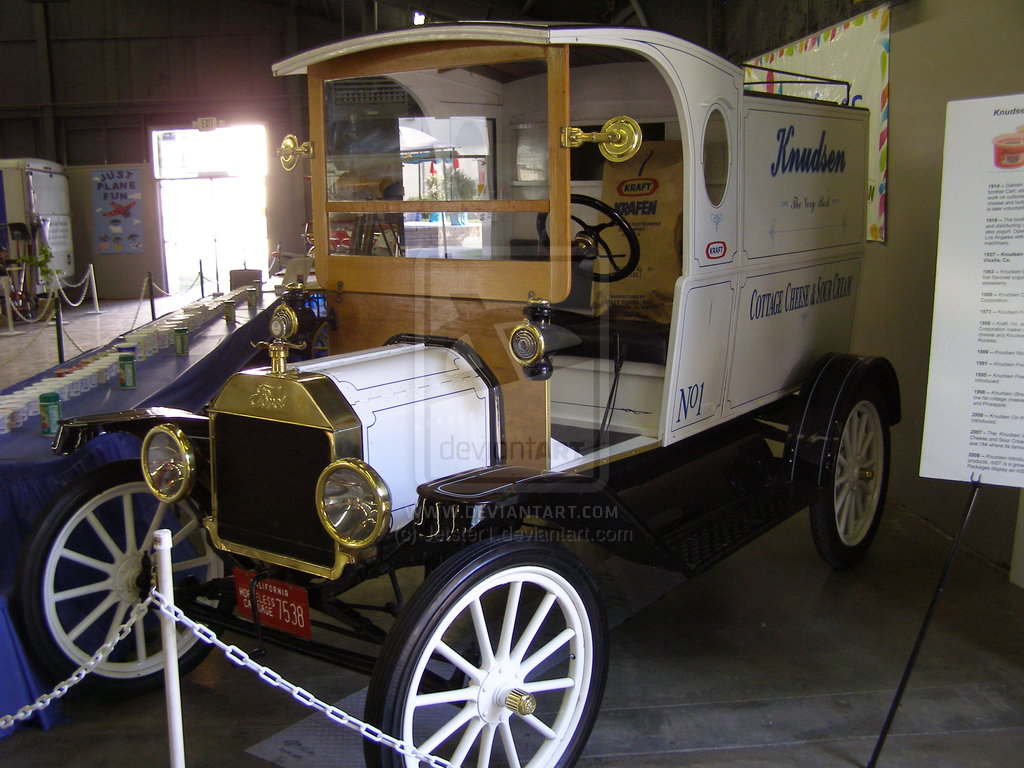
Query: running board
(698, 544)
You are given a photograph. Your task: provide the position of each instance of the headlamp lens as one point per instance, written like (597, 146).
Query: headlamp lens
(526, 344)
(168, 462)
(353, 502)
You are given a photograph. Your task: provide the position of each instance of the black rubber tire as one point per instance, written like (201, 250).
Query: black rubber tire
(44, 571)
(857, 481)
(430, 608)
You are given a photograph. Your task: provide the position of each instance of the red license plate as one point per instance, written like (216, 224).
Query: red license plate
(281, 605)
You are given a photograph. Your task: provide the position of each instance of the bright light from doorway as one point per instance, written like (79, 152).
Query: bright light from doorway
(237, 150)
(213, 200)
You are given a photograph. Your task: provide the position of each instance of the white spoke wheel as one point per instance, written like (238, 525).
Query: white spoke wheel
(846, 515)
(88, 561)
(498, 660)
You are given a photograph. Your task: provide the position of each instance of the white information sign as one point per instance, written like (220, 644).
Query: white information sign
(974, 419)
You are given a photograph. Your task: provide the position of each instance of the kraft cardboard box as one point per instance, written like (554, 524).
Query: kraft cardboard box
(647, 191)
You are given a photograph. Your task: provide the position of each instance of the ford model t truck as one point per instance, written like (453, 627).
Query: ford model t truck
(587, 287)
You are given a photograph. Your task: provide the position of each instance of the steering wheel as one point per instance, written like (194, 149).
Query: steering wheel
(588, 240)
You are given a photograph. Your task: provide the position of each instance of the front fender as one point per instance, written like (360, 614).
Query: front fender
(576, 507)
(75, 432)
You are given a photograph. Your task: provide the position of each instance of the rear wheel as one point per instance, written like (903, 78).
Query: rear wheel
(320, 341)
(499, 659)
(88, 562)
(846, 515)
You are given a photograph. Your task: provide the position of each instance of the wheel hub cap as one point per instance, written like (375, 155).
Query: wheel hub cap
(129, 577)
(500, 694)
(521, 702)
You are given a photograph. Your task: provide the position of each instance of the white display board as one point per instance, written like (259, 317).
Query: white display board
(974, 419)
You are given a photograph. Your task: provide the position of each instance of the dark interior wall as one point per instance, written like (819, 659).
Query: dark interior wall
(105, 70)
(747, 28)
(84, 82)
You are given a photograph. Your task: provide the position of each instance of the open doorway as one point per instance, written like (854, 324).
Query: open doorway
(213, 202)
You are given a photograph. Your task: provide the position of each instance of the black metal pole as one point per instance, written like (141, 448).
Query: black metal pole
(59, 317)
(202, 288)
(152, 300)
(902, 687)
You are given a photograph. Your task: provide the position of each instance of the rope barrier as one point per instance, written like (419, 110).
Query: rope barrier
(75, 344)
(55, 289)
(142, 298)
(240, 658)
(41, 316)
(182, 292)
(7, 360)
(81, 299)
(85, 277)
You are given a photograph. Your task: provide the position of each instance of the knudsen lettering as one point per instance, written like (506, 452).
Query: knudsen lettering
(819, 159)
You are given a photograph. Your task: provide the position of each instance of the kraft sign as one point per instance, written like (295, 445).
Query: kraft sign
(716, 250)
(639, 187)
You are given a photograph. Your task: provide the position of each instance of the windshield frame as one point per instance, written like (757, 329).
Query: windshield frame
(499, 279)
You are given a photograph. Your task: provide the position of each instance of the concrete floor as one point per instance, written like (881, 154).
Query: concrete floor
(770, 659)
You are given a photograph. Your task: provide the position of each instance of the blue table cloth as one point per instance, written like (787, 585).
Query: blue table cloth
(30, 475)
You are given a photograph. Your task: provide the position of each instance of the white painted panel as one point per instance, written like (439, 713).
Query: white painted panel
(787, 319)
(698, 356)
(804, 172)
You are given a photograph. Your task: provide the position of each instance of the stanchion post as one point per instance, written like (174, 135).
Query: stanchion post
(58, 321)
(202, 286)
(5, 284)
(152, 300)
(912, 660)
(95, 297)
(172, 689)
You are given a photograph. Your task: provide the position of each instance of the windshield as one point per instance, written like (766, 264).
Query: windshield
(442, 164)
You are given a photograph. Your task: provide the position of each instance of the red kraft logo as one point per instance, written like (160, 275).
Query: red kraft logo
(715, 250)
(639, 187)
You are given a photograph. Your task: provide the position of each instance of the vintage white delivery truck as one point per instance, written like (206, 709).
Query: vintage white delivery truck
(588, 287)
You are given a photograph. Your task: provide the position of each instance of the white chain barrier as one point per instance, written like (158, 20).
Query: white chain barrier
(8, 721)
(242, 659)
(75, 344)
(138, 308)
(174, 615)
